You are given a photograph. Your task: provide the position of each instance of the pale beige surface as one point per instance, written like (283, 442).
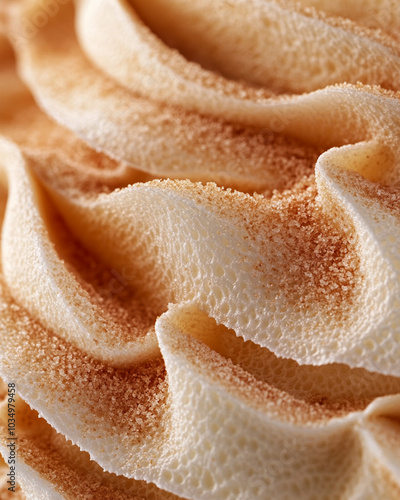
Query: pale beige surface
(46, 457)
(266, 43)
(218, 343)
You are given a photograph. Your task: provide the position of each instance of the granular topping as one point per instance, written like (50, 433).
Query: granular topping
(218, 310)
(314, 262)
(271, 383)
(388, 39)
(133, 399)
(72, 470)
(314, 258)
(387, 197)
(113, 294)
(276, 403)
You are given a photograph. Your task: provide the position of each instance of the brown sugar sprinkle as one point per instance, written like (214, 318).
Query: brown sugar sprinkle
(243, 158)
(44, 459)
(67, 481)
(332, 385)
(387, 197)
(82, 175)
(258, 394)
(130, 403)
(310, 260)
(212, 80)
(389, 40)
(82, 484)
(315, 259)
(69, 469)
(113, 294)
(268, 161)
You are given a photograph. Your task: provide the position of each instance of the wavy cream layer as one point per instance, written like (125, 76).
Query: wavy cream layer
(310, 274)
(273, 44)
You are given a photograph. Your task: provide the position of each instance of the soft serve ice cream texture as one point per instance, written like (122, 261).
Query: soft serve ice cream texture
(200, 267)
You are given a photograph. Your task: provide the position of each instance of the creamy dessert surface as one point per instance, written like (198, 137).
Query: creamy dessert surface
(200, 223)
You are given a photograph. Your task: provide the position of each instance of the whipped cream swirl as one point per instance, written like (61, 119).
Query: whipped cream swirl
(200, 276)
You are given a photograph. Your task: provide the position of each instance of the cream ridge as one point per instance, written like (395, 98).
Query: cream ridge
(200, 233)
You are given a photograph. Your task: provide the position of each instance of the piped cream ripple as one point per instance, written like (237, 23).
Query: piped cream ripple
(311, 273)
(383, 16)
(204, 392)
(41, 281)
(268, 43)
(49, 466)
(165, 141)
(316, 306)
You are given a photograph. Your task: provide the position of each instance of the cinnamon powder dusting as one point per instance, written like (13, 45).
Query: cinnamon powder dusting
(306, 257)
(317, 262)
(387, 197)
(113, 294)
(256, 393)
(69, 469)
(129, 403)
